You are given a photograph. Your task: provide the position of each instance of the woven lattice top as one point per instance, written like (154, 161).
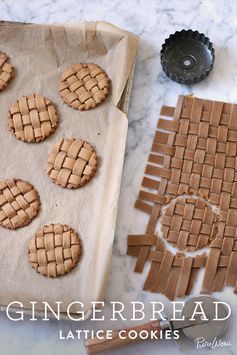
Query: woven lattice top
(54, 250)
(189, 223)
(19, 203)
(71, 163)
(6, 70)
(32, 118)
(84, 86)
(193, 154)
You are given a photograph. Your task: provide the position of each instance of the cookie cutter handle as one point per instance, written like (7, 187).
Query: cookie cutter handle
(120, 338)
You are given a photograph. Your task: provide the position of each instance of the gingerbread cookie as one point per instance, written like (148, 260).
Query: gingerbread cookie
(71, 163)
(6, 70)
(19, 203)
(54, 250)
(32, 118)
(84, 86)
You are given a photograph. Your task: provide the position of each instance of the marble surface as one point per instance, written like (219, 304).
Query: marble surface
(153, 21)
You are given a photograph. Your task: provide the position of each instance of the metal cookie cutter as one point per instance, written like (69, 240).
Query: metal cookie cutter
(187, 57)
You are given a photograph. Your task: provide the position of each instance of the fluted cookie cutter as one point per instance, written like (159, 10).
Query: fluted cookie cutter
(187, 57)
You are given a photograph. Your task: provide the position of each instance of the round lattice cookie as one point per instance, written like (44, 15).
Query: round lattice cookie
(32, 118)
(54, 250)
(71, 163)
(84, 86)
(19, 203)
(189, 223)
(6, 70)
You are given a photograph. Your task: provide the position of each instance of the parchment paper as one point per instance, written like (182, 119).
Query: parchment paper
(39, 54)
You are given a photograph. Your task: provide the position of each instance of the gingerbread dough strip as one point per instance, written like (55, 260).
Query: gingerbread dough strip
(226, 248)
(198, 262)
(144, 251)
(184, 276)
(211, 267)
(167, 111)
(232, 270)
(163, 273)
(155, 264)
(173, 278)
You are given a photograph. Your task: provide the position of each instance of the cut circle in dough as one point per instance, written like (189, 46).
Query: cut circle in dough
(189, 223)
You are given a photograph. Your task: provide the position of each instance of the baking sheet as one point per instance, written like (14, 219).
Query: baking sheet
(39, 54)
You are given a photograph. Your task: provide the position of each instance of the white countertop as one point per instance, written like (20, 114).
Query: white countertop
(152, 21)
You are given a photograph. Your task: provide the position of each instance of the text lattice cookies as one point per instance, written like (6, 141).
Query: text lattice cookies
(54, 250)
(32, 118)
(6, 70)
(71, 163)
(84, 86)
(19, 203)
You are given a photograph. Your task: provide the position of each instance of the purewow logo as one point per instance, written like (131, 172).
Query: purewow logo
(202, 343)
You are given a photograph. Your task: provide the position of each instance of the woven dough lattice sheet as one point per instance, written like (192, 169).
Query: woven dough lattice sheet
(190, 184)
